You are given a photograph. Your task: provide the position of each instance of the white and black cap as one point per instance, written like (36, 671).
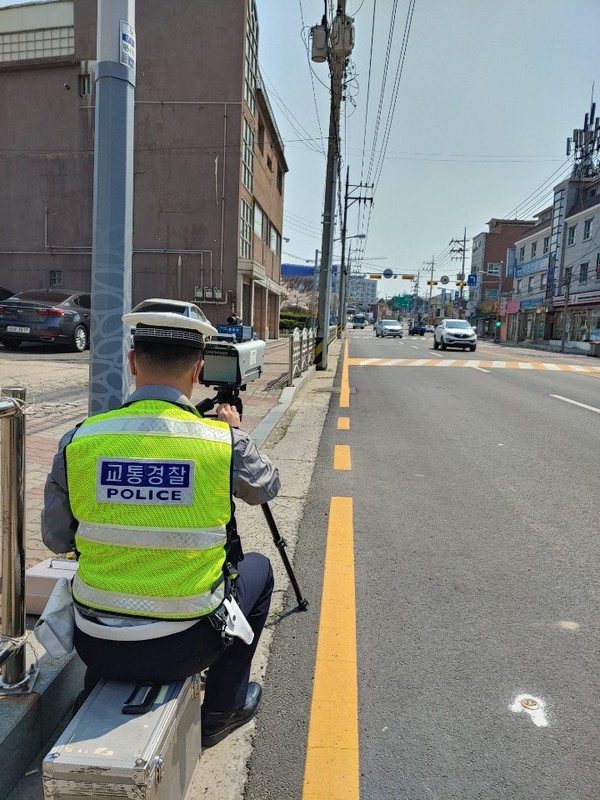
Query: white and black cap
(168, 327)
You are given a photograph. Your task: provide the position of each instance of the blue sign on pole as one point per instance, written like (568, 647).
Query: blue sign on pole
(472, 280)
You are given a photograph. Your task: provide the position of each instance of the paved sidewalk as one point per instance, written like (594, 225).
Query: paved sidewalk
(47, 422)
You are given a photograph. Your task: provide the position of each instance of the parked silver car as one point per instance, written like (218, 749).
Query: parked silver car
(454, 333)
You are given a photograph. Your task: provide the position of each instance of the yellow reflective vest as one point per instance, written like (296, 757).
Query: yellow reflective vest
(150, 486)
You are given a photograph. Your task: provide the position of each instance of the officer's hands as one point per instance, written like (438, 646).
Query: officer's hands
(228, 414)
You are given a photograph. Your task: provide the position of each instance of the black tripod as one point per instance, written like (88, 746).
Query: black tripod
(232, 396)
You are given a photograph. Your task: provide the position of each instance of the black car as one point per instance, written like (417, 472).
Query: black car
(46, 315)
(417, 329)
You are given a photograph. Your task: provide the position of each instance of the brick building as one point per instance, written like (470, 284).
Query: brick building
(208, 159)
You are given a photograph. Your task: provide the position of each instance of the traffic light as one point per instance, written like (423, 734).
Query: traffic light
(375, 277)
(408, 277)
(432, 283)
(461, 283)
(498, 323)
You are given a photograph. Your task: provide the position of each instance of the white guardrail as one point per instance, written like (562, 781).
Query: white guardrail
(302, 350)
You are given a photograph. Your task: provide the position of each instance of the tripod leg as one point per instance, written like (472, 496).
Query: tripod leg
(280, 545)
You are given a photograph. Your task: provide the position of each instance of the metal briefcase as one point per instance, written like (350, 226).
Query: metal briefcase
(104, 753)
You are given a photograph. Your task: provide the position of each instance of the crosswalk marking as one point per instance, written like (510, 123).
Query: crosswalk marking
(481, 364)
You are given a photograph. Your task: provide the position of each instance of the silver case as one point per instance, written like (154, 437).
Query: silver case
(106, 754)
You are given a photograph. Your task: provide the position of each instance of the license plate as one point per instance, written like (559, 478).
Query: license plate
(17, 329)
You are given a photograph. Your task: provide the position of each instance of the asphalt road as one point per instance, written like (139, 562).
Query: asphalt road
(475, 514)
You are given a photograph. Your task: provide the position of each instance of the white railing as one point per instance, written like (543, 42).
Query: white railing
(302, 352)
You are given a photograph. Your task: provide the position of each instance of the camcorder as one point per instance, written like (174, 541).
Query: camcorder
(231, 360)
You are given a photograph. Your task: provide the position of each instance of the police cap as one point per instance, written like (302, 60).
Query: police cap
(169, 322)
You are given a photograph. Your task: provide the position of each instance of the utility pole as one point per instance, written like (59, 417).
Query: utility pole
(567, 285)
(348, 201)
(460, 247)
(431, 283)
(497, 325)
(112, 215)
(340, 41)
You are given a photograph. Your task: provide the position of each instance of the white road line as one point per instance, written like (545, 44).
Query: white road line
(475, 365)
(499, 364)
(551, 366)
(414, 347)
(575, 403)
(418, 362)
(447, 362)
(577, 368)
(438, 355)
(525, 365)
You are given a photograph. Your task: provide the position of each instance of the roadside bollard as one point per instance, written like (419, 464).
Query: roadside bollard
(15, 678)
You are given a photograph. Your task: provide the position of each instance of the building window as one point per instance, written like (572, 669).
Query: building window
(84, 85)
(583, 272)
(250, 69)
(261, 135)
(571, 234)
(546, 244)
(246, 231)
(491, 294)
(543, 280)
(530, 284)
(533, 249)
(587, 228)
(279, 179)
(247, 156)
(56, 277)
(521, 254)
(42, 43)
(269, 164)
(519, 282)
(258, 220)
(275, 243)
(493, 268)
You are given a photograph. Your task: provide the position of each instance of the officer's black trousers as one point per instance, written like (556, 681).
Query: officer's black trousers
(183, 654)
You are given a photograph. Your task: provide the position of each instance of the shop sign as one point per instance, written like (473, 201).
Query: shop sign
(513, 307)
(578, 299)
(533, 302)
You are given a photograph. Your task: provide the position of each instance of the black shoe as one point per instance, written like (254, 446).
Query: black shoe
(216, 725)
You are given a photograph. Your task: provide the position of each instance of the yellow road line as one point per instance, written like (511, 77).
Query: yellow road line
(331, 770)
(341, 457)
(345, 392)
(343, 423)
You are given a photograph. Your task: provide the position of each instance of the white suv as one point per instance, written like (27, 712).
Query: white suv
(389, 327)
(454, 333)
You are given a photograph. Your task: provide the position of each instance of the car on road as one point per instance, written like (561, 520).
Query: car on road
(60, 316)
(429, 328)
(389, 327)
(417, 329)
(454, 333)
(359, 321)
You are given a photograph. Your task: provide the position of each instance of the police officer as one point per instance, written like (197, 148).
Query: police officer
(144, 495)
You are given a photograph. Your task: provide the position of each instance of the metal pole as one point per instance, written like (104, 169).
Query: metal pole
(113, 203)
(567, 284)
(341, 320)
(12, 484)
(497, 327)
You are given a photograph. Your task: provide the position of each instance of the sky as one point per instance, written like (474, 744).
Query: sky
(486, 94)
(486, 97)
